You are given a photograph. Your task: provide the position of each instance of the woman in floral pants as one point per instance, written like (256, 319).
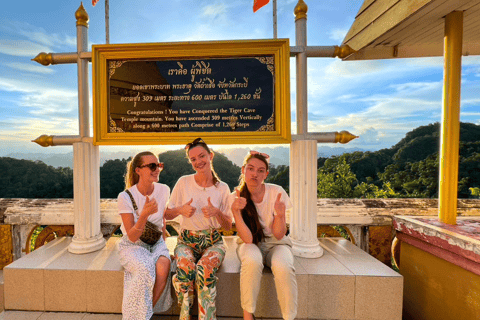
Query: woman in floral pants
(201, 201)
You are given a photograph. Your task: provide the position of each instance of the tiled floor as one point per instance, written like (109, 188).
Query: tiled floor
(26, 315)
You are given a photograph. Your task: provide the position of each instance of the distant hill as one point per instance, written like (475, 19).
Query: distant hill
(411, 166)
(279, 155)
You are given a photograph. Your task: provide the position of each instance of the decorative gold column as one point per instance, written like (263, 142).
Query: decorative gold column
(450, 133)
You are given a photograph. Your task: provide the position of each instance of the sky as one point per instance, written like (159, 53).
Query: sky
(379, 100)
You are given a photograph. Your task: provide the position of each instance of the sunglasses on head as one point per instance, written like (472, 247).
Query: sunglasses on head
(153, 166)
(194, 143)
(266, 156)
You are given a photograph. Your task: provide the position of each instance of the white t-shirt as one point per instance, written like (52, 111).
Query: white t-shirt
(160, 193)
(266, 208)
(185, 189)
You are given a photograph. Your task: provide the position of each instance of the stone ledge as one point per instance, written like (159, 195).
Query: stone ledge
(346, 283)
(329, 211)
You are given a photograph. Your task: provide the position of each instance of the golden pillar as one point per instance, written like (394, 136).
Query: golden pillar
(450, 135)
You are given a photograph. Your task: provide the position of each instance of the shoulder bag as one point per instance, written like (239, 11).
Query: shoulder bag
(150, 234)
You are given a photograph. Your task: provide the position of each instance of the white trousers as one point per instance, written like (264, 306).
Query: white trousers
(276, 254)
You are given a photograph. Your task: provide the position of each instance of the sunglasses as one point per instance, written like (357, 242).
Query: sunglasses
(194, 143)
(153, 166)
(266, 156)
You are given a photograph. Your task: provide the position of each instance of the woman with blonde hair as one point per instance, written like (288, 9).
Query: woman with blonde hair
(259, 210)
(147, 266)
(201, 201)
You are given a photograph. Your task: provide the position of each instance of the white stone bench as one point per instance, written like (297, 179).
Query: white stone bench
(346, 283)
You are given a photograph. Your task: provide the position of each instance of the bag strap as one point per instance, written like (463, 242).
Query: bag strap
(133, 201)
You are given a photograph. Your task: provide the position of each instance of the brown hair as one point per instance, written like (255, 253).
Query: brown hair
(199, 142)
(131, 177)
(249, 213)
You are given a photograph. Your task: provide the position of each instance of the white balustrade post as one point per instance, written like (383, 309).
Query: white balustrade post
(303, 192)
(86, 199)
(303, 158)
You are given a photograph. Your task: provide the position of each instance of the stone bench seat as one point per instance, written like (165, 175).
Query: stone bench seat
(345, 283)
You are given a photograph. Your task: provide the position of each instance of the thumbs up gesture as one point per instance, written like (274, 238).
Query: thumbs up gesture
(187, 210)
(150, 207)
(239, 203)
(279, 206)
(209, 210)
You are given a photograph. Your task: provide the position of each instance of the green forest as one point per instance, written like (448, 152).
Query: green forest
(408, 169)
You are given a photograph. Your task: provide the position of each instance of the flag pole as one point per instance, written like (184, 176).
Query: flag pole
(107, 31)
(275, 19)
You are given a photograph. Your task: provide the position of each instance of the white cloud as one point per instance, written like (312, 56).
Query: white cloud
(29, 67)
(38, 39)
(27, 129)
(40, 99)
(214, 10)
(338, 35)
(22, 48)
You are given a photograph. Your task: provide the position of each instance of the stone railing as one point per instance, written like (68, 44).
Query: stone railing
(366, 222)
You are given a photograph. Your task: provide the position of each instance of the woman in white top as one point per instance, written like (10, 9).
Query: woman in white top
(259, 210)
(201, 202)
(147, 267)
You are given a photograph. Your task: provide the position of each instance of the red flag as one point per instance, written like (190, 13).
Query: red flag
(257, 4)
(94, 2)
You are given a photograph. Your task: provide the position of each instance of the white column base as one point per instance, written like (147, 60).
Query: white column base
(306, 250)
(303, 192)
(81, 246)
(86, 199)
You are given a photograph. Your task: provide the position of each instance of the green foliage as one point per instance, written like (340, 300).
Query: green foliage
(410, 168)
(112, 177)
(413, 180)
(279, 175)
(475, 192)
(34, 179)
(335, 180)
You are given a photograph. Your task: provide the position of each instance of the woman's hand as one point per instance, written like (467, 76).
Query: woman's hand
(210, 211)
(187, 210)
(239, 203)
(279, 206)
(150, 207)
(279, 225)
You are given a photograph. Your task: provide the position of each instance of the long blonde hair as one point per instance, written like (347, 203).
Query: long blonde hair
(131, 177)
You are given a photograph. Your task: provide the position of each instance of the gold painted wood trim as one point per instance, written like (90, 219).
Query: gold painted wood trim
(279, 48)
(6, 245)
(383, 23)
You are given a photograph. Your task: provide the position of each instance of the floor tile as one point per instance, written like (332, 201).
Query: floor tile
(21, 315)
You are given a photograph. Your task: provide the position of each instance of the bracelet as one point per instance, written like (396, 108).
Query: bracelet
(137, 228)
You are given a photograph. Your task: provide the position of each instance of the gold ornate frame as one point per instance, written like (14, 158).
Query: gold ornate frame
(278, 48)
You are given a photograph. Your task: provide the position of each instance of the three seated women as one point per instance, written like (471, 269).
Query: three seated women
(204, 205)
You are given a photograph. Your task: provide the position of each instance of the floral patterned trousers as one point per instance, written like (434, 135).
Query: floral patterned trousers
(198, 255)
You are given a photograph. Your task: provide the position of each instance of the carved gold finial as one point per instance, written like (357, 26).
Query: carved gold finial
(44, 140)
(44, 58)
(300, 10)
(82, 16)
(344, 137)
(343, 51)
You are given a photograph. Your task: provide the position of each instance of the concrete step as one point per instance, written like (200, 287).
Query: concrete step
(346, 283)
